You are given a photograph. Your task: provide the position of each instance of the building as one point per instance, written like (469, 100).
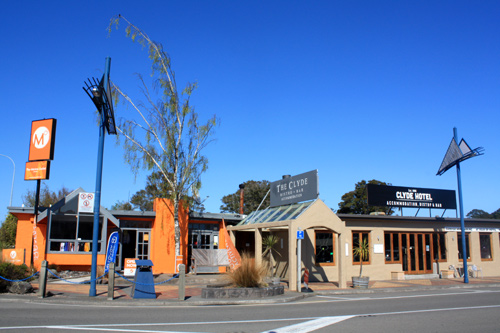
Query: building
(398, 244)
(63, 234)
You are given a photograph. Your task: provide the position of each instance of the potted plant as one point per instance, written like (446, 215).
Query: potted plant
(268, 243)
(361, 250)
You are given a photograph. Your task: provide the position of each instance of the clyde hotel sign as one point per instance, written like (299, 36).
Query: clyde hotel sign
(295, 189)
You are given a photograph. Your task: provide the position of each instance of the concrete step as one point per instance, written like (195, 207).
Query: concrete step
(421, 276)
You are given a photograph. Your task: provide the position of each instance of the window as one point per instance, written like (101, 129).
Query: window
(73, 233)
(459, 240)
(439, 246)
(325, 243)
(358, 237)
(391, 240)
(485, 243)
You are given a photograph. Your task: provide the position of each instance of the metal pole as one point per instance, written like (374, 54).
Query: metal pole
(98, 182)
(462, 223)
(299, 264)
(37, 201)
(13, 176)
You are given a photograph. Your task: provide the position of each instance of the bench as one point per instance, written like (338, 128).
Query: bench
(208, 261)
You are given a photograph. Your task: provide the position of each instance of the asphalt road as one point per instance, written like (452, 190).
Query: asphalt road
(445, 310)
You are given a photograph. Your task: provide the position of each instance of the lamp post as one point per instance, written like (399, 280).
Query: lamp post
(13, 176)
(100, 93)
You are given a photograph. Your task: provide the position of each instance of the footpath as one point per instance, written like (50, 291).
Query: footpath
(167, 294)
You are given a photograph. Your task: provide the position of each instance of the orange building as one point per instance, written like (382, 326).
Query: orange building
(63, 235)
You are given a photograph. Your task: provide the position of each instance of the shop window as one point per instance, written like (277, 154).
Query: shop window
(467, 248)
(325, 243)
(439, 246)
(485, 243)
(392, 249)
(358, 237)
(72, 233)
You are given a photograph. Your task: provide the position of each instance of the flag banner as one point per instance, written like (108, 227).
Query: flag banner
(232, 253)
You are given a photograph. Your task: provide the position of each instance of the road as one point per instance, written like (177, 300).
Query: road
(444, 310)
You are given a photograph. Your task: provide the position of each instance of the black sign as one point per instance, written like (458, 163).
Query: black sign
(295, 189)
(411, 197)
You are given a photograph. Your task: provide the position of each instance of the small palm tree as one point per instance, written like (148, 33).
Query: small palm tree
(361, 249)
(268, 243)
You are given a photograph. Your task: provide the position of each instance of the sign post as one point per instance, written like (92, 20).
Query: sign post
(300, 237)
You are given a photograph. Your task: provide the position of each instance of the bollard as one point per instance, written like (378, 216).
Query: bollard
(182, 282)
(111, 281)
(42, 279)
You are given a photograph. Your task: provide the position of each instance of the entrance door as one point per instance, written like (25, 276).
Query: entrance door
(134, 244)
(203, 236)
(417, 253)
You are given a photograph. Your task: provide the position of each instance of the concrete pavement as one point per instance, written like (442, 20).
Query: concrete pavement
(167, 293)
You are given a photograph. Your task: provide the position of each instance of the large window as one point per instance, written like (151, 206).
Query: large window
(439, 246)
(485, 243)
(392, 249)
(325, 243)
(467, 248)
(73, 233)
(358, 237)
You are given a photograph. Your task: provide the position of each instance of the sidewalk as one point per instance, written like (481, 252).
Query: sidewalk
(167, 294)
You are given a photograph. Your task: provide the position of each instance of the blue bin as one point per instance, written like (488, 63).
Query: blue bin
(143, 282)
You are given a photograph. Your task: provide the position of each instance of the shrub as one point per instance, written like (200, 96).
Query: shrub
(11, 272)
(248, 275)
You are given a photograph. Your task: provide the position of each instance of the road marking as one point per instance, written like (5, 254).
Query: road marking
(311, 325)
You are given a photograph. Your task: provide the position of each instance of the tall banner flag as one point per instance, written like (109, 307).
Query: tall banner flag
(111, 250)
(232, 253)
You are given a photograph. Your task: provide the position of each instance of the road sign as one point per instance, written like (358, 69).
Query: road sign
(300, 234)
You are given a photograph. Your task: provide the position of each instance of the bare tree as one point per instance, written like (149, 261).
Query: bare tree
(167, 136)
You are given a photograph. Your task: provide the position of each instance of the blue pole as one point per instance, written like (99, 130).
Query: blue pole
(98, 182)
(462, 223)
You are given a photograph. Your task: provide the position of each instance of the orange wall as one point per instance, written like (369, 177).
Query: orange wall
(24, 238)
(163, 237)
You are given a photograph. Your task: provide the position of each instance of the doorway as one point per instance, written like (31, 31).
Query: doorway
(134, 244)
(417, 254)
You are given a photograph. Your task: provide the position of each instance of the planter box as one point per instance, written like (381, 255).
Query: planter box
(447, 274)
(214, 292)
(360, 282)
(397, 275)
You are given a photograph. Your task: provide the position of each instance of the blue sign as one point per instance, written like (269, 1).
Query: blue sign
(300, 234)
(113, 242)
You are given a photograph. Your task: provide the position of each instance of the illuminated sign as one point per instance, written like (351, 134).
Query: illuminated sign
(295, 189)
(37, 170)
(42, 140)
(410, 197)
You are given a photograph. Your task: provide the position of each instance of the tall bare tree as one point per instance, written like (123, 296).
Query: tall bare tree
(167, 136)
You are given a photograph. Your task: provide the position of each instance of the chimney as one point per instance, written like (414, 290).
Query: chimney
(242, 187)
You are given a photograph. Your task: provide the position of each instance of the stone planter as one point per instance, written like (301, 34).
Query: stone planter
(224, 293)
(360, 282)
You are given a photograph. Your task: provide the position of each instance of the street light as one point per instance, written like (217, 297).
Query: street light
(100, 93)
(13, 175)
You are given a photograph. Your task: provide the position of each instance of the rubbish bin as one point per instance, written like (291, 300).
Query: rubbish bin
(143, 282)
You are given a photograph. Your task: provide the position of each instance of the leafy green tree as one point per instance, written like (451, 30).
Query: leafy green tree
(479, 214)
(8, 232)
(122, 205)
(356, 201)
(253, 194)
(496, 214)
(47, 197)
(157, 187)
(167, 137)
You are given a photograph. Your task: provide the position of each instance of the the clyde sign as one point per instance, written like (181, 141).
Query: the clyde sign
(295, 189)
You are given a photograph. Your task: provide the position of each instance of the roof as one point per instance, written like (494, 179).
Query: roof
(276, 214)
(229, 218)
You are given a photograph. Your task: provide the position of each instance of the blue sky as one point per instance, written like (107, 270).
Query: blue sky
(356, 89)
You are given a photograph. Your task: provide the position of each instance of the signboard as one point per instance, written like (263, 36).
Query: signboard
(411, 197)
(86, 202)
(129, 267)
(470, 229)
(14, 256)
(37, 170)
(111, 250)
(295, 189)
(300, 234)
(42, 139)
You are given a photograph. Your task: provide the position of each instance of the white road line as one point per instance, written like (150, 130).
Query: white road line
(311, 325)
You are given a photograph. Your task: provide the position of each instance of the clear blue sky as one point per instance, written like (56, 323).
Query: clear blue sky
(356, 89)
